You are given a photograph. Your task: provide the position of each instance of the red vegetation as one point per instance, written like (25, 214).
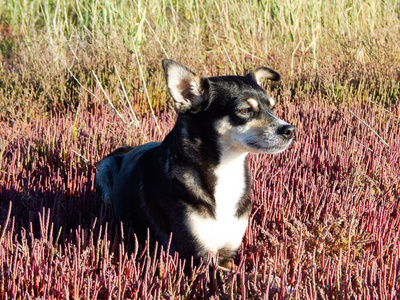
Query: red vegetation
(326, 212)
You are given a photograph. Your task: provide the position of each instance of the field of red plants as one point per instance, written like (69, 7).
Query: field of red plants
(325, 221)
(80, 78)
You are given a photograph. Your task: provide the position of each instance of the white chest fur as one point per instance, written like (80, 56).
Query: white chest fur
(225, 230)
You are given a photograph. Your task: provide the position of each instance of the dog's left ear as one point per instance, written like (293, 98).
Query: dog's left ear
(260, 73)
(185, 87)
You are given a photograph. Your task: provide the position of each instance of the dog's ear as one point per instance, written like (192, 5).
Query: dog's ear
(260, 73)
(185, 87)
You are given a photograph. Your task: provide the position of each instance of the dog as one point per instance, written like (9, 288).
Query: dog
(196, 184)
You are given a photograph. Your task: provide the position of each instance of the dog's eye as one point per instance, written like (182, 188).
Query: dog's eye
(245, 112)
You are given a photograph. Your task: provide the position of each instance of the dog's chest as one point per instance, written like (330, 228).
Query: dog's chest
(230, 184)
(226, 230)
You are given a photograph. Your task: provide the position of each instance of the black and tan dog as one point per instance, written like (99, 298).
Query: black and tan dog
(195, 184)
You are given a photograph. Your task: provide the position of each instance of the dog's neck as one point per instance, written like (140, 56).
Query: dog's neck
(191, 145)
(231, 181)
(200, 146)
(216, 173)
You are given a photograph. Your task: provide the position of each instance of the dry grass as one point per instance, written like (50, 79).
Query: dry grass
(50, 48)
(326, 212)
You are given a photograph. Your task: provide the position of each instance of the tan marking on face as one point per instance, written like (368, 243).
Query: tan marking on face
(258, 123)
(254, 104)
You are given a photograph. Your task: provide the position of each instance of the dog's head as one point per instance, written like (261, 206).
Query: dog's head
(237, 106)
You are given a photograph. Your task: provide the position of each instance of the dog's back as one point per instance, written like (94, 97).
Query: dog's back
(109, 167)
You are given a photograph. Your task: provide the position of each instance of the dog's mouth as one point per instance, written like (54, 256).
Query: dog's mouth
(269, 147)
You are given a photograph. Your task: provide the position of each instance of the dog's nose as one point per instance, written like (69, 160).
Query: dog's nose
(287, 131)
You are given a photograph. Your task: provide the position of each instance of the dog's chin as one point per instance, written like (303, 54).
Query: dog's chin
(269, 148)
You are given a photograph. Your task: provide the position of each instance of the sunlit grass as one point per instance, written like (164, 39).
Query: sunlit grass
(45, 44)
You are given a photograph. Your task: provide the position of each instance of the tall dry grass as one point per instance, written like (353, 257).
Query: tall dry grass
(51, 50)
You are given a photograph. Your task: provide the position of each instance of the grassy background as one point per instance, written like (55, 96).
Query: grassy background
(51, 49)
(79, 78)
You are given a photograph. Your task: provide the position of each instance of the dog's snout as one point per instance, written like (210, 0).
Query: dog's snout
(287, 131)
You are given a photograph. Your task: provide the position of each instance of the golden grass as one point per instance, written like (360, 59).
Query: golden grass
(50, 50)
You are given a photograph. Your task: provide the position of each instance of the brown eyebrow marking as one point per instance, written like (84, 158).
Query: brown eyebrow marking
(254, 104)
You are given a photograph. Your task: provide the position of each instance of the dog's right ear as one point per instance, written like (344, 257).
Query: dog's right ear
(186, 87)
(260, 73)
